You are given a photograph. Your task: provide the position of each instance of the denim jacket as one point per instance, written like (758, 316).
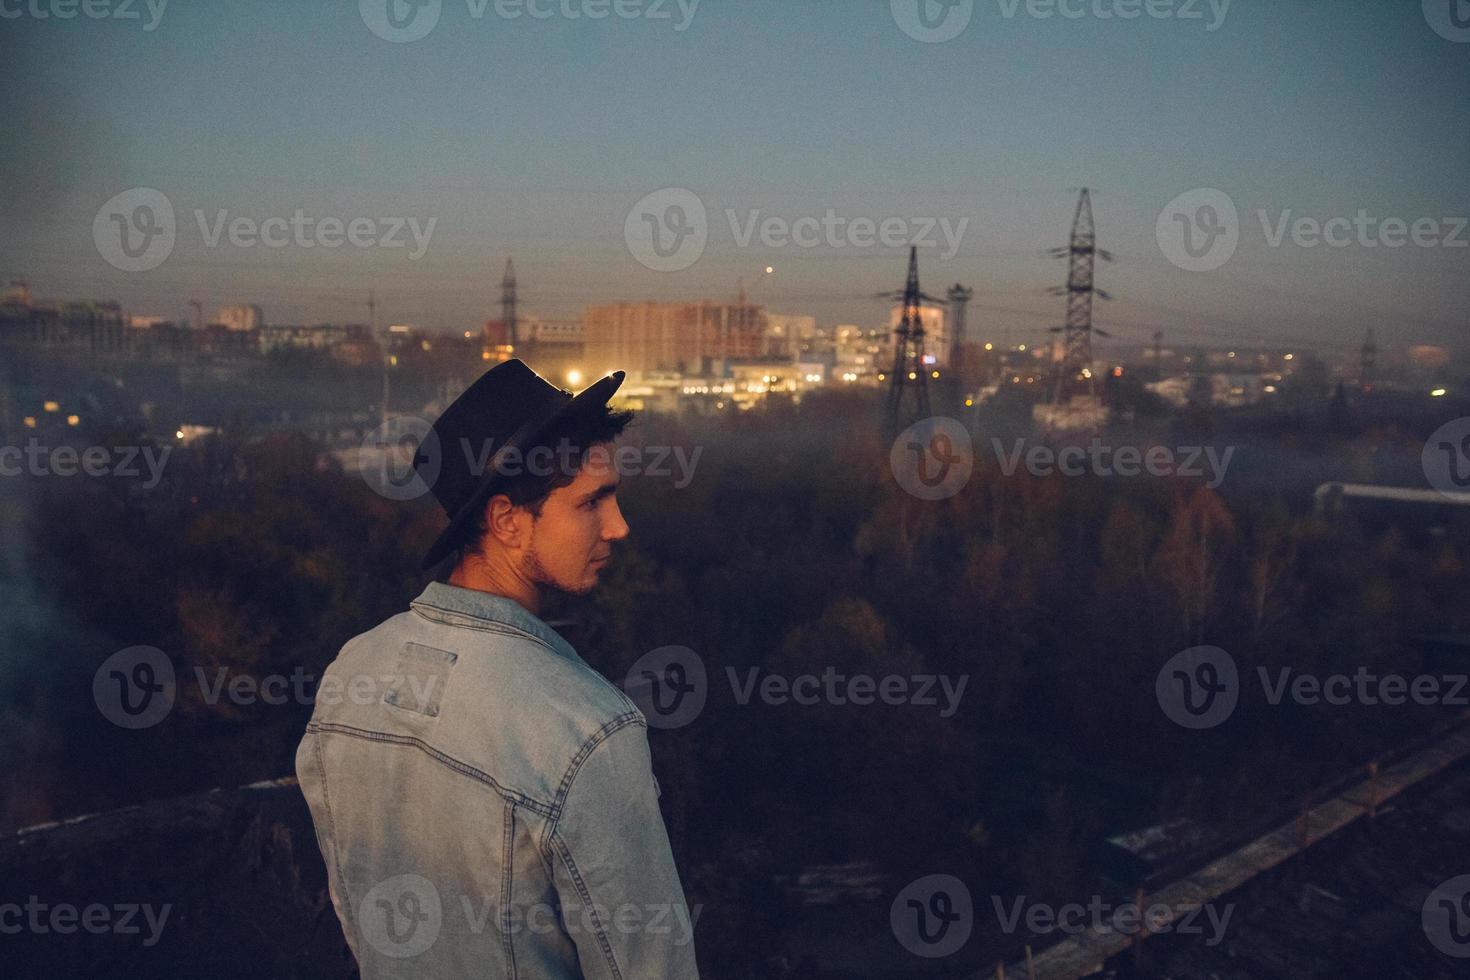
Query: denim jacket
(486, 806)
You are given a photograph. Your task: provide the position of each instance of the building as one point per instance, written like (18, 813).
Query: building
(320, 336)
(860, 355)
(95, 327)
(786, 333)
(350, 343)
(936, 334)
(643, 338)
(550, 333)
(243, 317)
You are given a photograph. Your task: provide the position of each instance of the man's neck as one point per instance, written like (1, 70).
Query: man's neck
(483, 577)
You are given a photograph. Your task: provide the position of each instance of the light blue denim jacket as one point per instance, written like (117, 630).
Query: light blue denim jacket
(486, 806)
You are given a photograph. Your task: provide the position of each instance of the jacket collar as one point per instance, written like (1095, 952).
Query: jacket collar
(441, 597)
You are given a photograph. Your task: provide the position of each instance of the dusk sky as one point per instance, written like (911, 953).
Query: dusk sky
(535, 137)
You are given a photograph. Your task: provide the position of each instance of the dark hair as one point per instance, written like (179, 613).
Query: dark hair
(571, 438)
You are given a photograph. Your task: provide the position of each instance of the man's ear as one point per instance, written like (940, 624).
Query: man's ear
(506, 522)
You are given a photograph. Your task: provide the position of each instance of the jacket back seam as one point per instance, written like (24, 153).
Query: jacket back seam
(507, 866)
(591, 909)
(321, 763)
(463, 768)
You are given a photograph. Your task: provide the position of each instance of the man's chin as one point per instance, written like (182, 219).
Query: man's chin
(579, 589)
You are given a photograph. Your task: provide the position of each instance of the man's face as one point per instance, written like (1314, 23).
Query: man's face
(571, 540)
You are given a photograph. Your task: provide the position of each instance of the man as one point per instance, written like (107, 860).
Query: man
(484, 800)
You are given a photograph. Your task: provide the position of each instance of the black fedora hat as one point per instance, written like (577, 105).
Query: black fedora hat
(509, 408)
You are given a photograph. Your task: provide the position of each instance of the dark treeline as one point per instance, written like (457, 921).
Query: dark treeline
(792, 551)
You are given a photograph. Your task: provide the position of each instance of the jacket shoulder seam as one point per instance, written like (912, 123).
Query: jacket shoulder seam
(597, 738)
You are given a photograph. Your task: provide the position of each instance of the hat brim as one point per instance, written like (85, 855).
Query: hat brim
(595, 395)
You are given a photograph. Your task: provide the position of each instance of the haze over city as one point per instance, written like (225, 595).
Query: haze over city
(535, 136)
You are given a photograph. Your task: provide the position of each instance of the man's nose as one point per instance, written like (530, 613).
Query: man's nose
(614, 528)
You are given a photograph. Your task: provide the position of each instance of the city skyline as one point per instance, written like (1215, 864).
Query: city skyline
(978, 142)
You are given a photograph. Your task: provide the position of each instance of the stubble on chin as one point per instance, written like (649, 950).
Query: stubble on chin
(535, 572)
